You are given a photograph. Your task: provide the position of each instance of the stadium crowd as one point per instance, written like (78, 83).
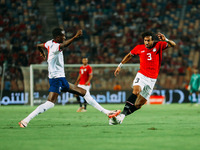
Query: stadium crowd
(111, 29)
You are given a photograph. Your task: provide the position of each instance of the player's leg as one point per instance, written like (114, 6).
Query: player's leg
(130, 107)
(190, 96)
(55, 85)
(193, 96)
(85, 106)
(197, 97)
(140, 101)
(133, 103)
(86, 95)
(198, 100)
(83, 109)
(40, 109)
(80, 104)
(142, 88)
(85, 102)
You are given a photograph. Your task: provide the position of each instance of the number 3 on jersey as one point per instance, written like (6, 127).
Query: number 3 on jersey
(137, 80)
(149, 56)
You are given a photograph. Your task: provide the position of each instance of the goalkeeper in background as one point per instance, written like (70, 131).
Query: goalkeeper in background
(194, 86)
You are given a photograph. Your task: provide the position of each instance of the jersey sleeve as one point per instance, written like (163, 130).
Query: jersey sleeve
(46, 45)
(134, 51)
(56, 47)
(53, 47)
(163, 45)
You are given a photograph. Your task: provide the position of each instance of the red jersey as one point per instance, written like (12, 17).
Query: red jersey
(150, 59)
(84, 72)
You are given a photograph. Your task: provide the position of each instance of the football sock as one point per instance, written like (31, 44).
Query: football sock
(190, 98)
(122, 116)
(85, 104)
(79, 100)
(129, 107)
(92, 102)
(40, 109)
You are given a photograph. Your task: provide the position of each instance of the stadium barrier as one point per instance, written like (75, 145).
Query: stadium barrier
(156, 99)
(171, 96)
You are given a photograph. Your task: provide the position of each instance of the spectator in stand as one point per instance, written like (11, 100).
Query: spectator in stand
(117, 87)
(109, 28)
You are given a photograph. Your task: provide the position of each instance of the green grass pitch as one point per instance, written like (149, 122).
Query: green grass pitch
(154, 127)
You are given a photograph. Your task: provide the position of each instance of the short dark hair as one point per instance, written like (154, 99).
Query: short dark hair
(148, 33)
(57, 32)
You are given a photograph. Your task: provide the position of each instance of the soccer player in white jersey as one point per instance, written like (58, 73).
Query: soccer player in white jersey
(57, 80)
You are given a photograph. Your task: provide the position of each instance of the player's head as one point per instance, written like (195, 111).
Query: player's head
(85, 60)
(58, 35)
(148, 38)
(195, 70)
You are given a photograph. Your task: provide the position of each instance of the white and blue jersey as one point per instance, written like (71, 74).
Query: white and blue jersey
(56, 71)
(55, 59)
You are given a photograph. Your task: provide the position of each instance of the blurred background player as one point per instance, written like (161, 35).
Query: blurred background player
(194, 86)
(83, 81)
(57, 80)
(150, 54)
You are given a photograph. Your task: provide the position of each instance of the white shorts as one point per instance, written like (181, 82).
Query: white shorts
(146, 84)
(86, 87)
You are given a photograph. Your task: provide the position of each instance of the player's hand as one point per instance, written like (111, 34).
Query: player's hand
(161, 36)
(117, 71)
(43, 55)
(78, 33)
(188, 88)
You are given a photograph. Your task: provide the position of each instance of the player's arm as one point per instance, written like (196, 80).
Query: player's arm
(78, 79)
(41, 48)
(124, 60)
(163, 38)
(68, 42)
(89, 79)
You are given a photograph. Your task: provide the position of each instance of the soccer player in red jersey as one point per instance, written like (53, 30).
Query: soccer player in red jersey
(83, 81)
(150, 54)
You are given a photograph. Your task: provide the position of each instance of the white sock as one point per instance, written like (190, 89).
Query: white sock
(92, 102)
(40, 109)
(123, 116)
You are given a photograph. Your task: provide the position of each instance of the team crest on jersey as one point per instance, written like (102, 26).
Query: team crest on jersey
(154, 50)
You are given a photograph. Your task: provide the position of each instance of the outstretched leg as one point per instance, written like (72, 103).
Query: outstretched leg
(40, 109)
(133, 103)
(86, 95)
